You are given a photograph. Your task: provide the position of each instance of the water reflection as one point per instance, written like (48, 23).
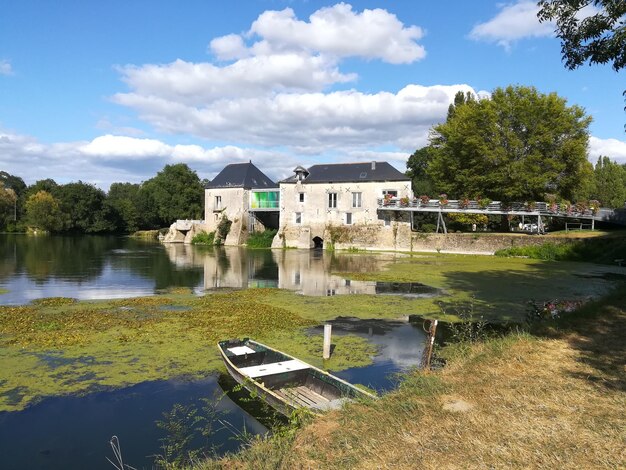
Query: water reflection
(400, 347)
(55, 434)
(96, 267)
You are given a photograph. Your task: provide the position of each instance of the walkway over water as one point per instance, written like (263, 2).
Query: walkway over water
(537, 209)
(497, 208)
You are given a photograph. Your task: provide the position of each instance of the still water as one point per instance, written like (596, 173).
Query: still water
(115, 267)
(74, 432)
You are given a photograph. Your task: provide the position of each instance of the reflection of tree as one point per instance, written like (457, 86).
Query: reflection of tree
(71, 258)
(150, 261)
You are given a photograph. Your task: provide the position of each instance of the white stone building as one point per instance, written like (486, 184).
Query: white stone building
(338, 204)
(246, 196)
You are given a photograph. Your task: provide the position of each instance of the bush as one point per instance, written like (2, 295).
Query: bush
(223, 227)
(203, 238)
(261, 239)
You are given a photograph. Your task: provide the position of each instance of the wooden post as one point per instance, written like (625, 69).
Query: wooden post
(429, 345)
(327, 335)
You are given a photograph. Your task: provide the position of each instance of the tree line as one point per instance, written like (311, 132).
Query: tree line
(176, 192)
(517, 145)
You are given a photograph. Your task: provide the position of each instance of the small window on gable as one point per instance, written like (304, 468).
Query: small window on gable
(348, 218)
(298, 218)
(301, 197)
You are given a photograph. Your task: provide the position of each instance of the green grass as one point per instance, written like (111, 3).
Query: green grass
(261, 239)
(203, 238)
(518, 401)
(596, 250)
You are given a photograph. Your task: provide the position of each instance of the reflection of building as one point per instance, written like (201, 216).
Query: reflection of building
(310, 274)
(246, 197)
(338, 204)
(306, 272)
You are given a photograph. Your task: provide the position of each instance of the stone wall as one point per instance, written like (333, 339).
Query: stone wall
(478, 243)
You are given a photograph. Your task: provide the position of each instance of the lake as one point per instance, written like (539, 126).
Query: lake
(73, 431)
(91, 268)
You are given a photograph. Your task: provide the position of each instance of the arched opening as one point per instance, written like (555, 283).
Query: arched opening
(318, 243)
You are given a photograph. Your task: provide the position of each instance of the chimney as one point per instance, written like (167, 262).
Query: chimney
(373, 165)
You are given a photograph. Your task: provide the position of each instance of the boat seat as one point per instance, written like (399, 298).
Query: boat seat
(273, 368)
(241, 350)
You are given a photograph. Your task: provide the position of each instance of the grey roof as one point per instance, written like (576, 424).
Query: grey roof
(351, 172)
(241, 175)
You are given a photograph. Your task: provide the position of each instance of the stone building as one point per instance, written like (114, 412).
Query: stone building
(246, 197)
(338, 204)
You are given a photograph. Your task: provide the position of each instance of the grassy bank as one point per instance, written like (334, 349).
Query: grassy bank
(601, 249)
(553, 399)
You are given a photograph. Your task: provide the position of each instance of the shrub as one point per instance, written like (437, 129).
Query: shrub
(223, 227)
(203, 238)
(261, 239)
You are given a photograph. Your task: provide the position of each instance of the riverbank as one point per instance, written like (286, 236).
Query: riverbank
(60, 346)
(553, 399)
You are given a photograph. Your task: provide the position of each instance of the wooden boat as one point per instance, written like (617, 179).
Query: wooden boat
(283, 381)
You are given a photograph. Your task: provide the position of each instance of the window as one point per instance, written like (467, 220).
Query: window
(357, 199)
(218, 203)
(332, 200)
(390, 192)
(298, 217)
(387, 219)
(348, 218)
(301, 197)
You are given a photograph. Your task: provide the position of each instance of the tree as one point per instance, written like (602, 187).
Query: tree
(610, 183)
(84, 209)
(42, 212)
(598, 38)
(515, 146)
(417, 167)
(8, 207)
(17, 188)
(177, 193)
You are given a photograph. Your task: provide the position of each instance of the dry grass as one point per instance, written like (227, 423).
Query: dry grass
(515, 402)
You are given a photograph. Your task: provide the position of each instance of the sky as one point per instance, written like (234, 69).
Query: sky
(113, 91)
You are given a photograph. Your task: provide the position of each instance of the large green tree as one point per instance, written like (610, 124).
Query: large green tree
(610, 183)
(517, 145)
(84, 208)
(176, 192)
(43, 212)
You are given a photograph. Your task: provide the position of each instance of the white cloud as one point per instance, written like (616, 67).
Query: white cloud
(5, 68)
(517, 21)
(115, 146)
(109, 158)
(612, 148)
(305, 120)
(341, 32)
(514, 22)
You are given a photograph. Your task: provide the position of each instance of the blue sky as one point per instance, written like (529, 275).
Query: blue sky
(112, 91)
